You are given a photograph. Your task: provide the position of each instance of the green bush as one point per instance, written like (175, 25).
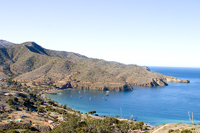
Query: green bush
(15, 99)
(64, 106)
(10, 102)
(55, 119)
(14, 107)
(41, 109)
(73, 123)
(186, 131)
(12, 131)
(92, 112)
(170, 131)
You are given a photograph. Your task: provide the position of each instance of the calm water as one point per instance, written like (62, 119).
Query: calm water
(153, 105)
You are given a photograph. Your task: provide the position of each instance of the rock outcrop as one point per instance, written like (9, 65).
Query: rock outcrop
(132, 81)
(96, 86)
(173, 79)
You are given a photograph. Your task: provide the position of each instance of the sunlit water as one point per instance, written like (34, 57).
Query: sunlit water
(153, 105)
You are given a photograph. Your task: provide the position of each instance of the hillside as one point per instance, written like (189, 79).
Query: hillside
(4, 43)
(29, 62)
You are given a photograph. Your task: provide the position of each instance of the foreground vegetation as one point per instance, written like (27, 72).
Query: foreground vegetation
(28, 98)
(74, 123)
(22, 97)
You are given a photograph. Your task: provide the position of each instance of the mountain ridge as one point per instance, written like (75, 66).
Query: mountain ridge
(28, 62)
(4, 43)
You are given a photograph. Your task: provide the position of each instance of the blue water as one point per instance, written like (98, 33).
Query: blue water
(153, 105)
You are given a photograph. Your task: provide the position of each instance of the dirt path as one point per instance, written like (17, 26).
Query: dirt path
(157, 130)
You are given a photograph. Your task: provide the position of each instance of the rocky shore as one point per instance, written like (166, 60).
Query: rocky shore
(126, 86)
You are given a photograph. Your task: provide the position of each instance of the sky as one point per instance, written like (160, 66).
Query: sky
(142, 32)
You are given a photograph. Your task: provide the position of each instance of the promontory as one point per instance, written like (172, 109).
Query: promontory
(29, 62)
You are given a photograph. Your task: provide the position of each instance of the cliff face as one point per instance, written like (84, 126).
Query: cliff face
(28, 62)
(153, 82)
(118, 86)
(95, 86)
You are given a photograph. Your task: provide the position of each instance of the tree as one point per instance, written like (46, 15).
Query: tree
(33, 83)
(92, 112)
(140, 124)
(15, 99)
(10, 102)
(41, 109)
(64, 106)
(9, 81)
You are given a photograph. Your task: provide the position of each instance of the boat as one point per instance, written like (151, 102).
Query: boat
(51, 92)
(107, 93)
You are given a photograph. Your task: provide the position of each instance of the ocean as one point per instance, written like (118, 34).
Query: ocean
(152, 105)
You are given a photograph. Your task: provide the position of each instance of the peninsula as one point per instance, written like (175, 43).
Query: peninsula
(29, 62)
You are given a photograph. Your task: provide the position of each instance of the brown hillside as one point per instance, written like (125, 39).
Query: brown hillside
(30, 62)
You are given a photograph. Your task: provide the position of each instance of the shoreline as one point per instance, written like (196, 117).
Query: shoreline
(93, 116)
(126, 118)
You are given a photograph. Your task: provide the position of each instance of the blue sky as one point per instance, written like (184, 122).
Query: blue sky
(142, 32)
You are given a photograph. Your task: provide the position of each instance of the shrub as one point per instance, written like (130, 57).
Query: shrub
(186, 131)
(12, 131)
(55, 119)
(14, 107)
(15, 99)
(64, 106)
(144, 127)
(140, 124)
(92, 112)
(41, 109)
(170, 131)
(10, 102)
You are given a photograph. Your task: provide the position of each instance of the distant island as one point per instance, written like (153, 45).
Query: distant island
(29, 62)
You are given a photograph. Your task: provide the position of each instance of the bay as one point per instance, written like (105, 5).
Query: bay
(153, 105)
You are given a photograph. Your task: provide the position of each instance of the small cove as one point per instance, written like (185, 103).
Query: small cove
(153, 105)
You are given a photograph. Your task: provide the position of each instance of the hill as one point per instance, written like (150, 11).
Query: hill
(28, 62)
(4, 43)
